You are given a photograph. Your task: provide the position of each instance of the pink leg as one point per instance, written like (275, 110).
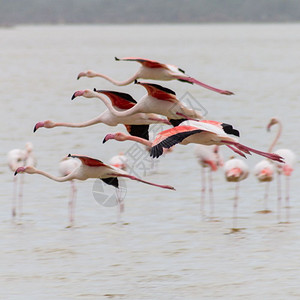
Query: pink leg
(20, 200)
(266, 196)
(236, 151)
(287, 199)
(72, 203)
(278, 197)
(211, 194)
(203, 193)
(235, 206)
(14, 199)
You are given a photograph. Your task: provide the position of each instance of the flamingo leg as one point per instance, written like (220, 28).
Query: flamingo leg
(278, 197)
(203, 188)
(237, 151)
(287, 199)
(235, 206)
(211, 194)
(14, 199)
(120, 203)
(20, 199)
(72, 203)
(266, 197)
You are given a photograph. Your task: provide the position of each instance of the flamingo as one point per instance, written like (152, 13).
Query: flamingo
(235, 170)
(17, 158)
(209, 158)
(204, 132)
(154, 70)
(66, 167)
(137, 124)
(282, 169)
(91, 168)
(159, 100)
(119, 161)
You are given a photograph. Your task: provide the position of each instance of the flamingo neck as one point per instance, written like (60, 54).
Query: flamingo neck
(139, 140)
(78, 125)
(119, 83)
(55, 178)
(279, 131)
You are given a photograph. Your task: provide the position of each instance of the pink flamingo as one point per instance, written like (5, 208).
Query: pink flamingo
(236, 170)
(159, 100)
(17, 158)
(66, 167)
(119, 161)
(136, 124)
(208, 157)
(91, 168)
(154, 70)
(286, 168)
(204, 132)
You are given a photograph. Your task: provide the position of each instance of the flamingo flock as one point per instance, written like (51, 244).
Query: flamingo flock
(158, 106)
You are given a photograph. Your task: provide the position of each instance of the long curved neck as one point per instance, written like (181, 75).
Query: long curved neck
(276, 137)
(139, 140)
(119, 83)
(79, 125)
(55, 178)
(126, 113)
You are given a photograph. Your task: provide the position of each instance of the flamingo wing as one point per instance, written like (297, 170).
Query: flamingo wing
(148, 63)
(88, 161)
(228, 128)
(171, 137)
(159, 92)
(111, 181)
(141, 131)
(118, 99)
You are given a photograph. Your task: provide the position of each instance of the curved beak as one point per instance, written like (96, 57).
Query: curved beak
(77, 94)
(81, 74)
(109, 136)
(19, 170)
(38, 125)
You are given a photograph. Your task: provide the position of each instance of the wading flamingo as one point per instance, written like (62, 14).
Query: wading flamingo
(158, 100)
(66, 167)
(204, 132)
(285, 169)
(210, 159)
(18, 158)
(119, 161)
(136, 124)
(235, 170)
(154, 70)
(91, 168)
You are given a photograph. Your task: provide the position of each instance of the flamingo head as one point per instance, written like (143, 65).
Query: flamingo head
(272, 122)
(89, 74)
(118, 136)
(46, 124)
(28, 170)
(84, 93)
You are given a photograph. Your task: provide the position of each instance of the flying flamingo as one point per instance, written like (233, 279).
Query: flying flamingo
(154, 70)
(66, 167)
(158, 100)
(91, 168)
(17, 158)
(137, 124)
(285, 169)
(264, 172)
(208, 157)
(235, 170)
(204, 132)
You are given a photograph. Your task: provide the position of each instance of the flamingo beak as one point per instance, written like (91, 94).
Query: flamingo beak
(20, 170)
(77, 94)
(38, 125)
(81, 74)
(109, 136)
(97, 91)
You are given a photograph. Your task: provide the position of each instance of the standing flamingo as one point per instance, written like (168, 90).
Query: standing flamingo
(137, 124)
(18, 158)
(159, 100)
(285, 169)
(91, 168)
(235, 170)
(204, 132)
(119, 161)
(208, 157)
(66, 167)
(154, 70)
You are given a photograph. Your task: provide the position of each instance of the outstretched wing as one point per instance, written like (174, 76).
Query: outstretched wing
(145, 62)
(141, 131)
(111, 181)
(171, 137)
(88, 161)
(118, 99)
(159, 92)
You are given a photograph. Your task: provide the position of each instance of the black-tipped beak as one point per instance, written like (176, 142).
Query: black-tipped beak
(117, 58)
(16, 172)
(104, 141)
(136, 82)
(73, 97)
(34, 130)
(69, 155)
